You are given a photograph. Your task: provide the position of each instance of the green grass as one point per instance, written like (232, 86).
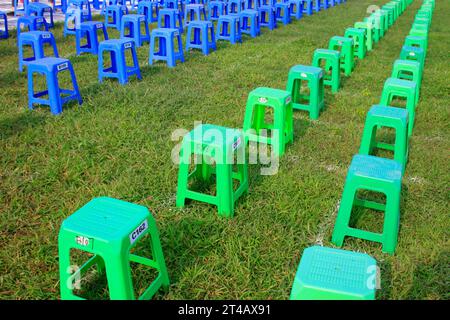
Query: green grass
(118, 144)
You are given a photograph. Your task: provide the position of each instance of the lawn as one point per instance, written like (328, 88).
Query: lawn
(119, 144)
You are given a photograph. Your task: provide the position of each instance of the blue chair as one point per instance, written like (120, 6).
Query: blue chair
(307, 7)
(194, 12)
(31, 23)
(228, 28)
(119, 68)
(167, 52)
(20, 11)
(89, 30)
(171, 19)
(295, 8)
(324, 4)
(175, 4)
(317, 5)
(36, 40)
(202, 31)
(267, 16)
(282, 12)
(41, 10)
(114, 14)
(84, 6)
(149, 9)
(4, 34)
(236, 6)
(57, 96)
(252, 4)
(132, 23)
(249, 21)
(216, 9)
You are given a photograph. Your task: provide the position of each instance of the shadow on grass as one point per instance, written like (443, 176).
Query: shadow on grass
(17, 124)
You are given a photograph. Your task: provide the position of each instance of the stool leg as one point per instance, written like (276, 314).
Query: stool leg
(136, 63)
(158, 255)
(183, 174)
(119, 277)
(344, 213)
(30, 89)
(122, 67)
(75, 85)
(391, 221)
(278, 132)
(65, 282)
(54, 94)
(368, 139)
(224, 189)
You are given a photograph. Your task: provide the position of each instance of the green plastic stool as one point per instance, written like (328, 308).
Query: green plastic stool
(346, 57)
(375, 27)
(258, 102)
(408, 70)
(213, 144)
(334, 274)
(331, 59)
(390, 117)
(369, 33)
(312, 102)
(415, 54)
(394, 8)
(404, 89)
(109, 228)
(417, 41)
(374, 174)
(359, 41)
(421, 27)
(390, 16)
(422, 20)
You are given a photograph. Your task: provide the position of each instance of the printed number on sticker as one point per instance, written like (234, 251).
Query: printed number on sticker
(82, 241)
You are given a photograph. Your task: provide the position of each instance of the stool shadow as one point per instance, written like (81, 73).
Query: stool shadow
(19, 123)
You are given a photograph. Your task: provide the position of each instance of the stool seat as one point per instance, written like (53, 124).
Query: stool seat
(106, 219)
(49, 63)
(376, 169)
(334, 274)
(198, 136)
(398, 114)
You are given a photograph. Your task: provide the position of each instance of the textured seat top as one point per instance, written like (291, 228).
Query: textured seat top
(306, 69)
(389, 112)
(270, 93)
(165, 31)
(376, 168)
(34, 34)
(48, 62)
(400, 83)
(106, 218)
(413, 49)
(38, 5)
(212, 135)
(336, 270)
(412, 63)
(132, 17)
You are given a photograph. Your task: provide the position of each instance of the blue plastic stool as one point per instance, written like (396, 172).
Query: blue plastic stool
(132, 23)
(40, 10)
(89, 30)
(216, 9)
(114, 14)
(50, 68)
(324, 4)
(177, 4)
(236, 6)
(267, 16)
(61, 6)
(317, 5)
(170, 19)
(204, 38)
(334, 274)
(228, 28)
(84, 6)
(295, 8)
(118, 69)
(282, 12)
(307, 7)
(4, 34)
(166, 38)
(249, 21)
(149, 9)
(32, 23)
(194, 12)
(268, 3)
(252, 4)
(20, 11)
(36, 40)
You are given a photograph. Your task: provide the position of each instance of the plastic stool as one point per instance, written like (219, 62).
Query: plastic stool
(219, 145)
(50, 68)
(228, 28)
(331, 58)
(346, 52)
(40, 10)
(89, 30)
(167, 51)
(249, 22)
(133, 23)
(216, 9)
(108, 229)
(36, 40)
(149, 9)
(267, 16)
(295, 8)
(114, 14)
(194, 12)
(359, 41)
(119, 69)
(204, 38)
(171, 19)
(282, 12)
(4, 34)
(32, 23)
